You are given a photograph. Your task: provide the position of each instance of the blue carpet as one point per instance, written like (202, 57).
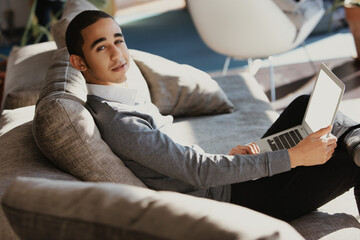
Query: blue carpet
(5, 50)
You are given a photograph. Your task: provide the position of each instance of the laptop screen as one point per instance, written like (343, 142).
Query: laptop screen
(324, 101)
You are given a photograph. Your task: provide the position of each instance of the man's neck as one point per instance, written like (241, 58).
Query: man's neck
(123, 84)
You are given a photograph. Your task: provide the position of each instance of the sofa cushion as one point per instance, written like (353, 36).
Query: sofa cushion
(11, 118)
(67, 210)
(65, 131)
(179, 89)
(26, 70)
(251, 117)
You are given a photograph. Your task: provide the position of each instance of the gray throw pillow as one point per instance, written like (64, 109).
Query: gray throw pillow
(179, 89)
(26, 71)
(13, 118)
(39, 208)
(65, 131)
(71, 9)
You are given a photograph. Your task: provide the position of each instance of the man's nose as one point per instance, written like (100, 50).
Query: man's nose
(115, 53)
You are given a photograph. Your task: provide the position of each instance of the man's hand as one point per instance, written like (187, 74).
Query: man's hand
(315, 149)
(249, 149)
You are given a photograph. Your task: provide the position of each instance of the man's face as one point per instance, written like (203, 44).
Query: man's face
(106, 55)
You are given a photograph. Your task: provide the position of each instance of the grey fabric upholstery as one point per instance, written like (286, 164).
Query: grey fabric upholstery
(19, 156)
(71, 9)
(39, 208)
(26, 71)
(219, 133)
(12, 118)
(179, 89)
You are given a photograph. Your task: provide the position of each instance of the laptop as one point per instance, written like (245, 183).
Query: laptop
(320, 112)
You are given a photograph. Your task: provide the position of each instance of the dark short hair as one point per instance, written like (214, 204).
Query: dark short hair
(73, 36)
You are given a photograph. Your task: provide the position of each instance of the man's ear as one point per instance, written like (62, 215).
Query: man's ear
(78, 62)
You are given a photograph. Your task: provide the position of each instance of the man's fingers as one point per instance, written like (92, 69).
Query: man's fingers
(241, 152)
(247, 149)
(321, 132)
(255, 148)
(331, 140)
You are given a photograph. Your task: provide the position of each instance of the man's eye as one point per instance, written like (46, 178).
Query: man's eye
(100, 48)
(119, 41)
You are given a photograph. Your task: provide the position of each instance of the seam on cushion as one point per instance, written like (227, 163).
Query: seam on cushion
(95, 160)
(71, 96)
(66, 76)
(63, 95)
(123, 228)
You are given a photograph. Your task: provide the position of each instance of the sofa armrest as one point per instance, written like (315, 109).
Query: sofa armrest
(80, 210)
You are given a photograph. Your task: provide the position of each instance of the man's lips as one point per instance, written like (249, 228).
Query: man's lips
(119, 67)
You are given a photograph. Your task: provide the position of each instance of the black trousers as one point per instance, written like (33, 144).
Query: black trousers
(303, 189)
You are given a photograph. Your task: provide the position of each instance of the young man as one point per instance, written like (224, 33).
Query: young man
(284, 188)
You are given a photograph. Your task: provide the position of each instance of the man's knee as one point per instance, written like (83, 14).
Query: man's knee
(297, 107)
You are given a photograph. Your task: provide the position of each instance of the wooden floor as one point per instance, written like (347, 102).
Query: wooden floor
(296, 79)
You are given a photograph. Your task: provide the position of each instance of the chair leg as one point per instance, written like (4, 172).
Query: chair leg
(254, 66)
(226, 65)
(272, 79)
(250, 65)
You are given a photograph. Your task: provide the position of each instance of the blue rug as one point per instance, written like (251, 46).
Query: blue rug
(5, 50)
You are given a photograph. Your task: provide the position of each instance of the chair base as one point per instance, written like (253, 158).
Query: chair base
(253, 67)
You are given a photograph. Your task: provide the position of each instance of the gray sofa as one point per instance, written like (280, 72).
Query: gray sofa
(59, 180)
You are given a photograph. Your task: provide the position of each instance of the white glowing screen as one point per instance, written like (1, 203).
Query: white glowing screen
(324, 102)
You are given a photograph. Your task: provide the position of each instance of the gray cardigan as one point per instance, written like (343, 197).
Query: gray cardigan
(134, 133)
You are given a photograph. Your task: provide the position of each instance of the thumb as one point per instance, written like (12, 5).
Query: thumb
(321, 132)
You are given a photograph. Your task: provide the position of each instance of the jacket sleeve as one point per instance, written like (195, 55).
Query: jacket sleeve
(133, 136)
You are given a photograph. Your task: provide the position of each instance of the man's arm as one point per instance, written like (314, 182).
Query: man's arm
(133, 136)
(313, 150)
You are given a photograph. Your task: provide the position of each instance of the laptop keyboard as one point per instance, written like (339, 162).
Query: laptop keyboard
(285, 140)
